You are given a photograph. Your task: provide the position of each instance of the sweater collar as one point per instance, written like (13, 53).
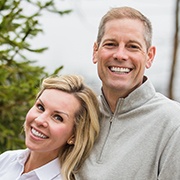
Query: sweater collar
(135, 99)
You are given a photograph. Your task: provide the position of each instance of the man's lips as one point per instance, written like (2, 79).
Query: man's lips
(120, 70)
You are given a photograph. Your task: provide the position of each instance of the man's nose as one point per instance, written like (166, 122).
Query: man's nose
(120, 53)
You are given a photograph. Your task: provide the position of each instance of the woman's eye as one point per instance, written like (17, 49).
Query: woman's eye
(40, 107)
(58, 117)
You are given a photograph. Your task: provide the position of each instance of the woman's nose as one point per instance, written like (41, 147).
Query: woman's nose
(42, 120)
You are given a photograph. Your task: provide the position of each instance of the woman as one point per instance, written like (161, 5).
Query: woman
(60, 130)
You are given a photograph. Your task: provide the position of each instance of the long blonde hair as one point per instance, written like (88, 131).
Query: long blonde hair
(86, 127)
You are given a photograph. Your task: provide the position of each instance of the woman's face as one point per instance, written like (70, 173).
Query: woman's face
(49, 123)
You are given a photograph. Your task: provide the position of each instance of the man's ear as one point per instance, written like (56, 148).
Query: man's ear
(95, 49)
(71, 140)
(151, 55)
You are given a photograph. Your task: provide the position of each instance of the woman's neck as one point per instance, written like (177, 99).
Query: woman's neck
(36, 160)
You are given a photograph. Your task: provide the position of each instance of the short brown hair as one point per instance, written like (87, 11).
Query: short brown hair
(126, 12)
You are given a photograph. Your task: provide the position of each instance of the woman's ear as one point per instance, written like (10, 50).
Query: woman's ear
(71, 140)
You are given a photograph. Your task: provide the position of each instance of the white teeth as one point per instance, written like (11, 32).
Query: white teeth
(120, 70)
(38, 134)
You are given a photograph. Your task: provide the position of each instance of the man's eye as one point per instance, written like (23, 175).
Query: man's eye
(40, 107)
(132, 46)
(109, 44)
(58, 117)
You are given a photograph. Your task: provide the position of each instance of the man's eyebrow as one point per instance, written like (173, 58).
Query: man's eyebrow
(109, 39)
(133, 41)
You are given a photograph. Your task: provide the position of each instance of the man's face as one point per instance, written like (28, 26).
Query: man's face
(122, 56)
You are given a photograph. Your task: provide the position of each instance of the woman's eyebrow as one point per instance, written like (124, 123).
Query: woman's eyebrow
(60, 112)
(56, 111)
(40, 101)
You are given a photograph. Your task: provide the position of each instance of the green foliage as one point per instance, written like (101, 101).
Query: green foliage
(19, 79)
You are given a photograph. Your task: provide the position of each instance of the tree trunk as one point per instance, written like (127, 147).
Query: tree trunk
(175, 51)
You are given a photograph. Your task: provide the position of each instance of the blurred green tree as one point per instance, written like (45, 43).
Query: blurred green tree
(19, 77)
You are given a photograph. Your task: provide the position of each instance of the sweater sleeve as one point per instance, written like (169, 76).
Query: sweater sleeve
(170, 160)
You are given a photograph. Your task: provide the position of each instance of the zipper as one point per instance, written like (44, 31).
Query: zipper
(113, 115)
(99, 160)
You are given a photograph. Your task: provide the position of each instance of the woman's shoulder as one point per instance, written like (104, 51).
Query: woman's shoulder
(11, 154)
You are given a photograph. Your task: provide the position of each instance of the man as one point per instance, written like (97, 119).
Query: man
(140, 128)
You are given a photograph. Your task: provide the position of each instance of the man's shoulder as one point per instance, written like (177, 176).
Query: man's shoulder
(167, 101)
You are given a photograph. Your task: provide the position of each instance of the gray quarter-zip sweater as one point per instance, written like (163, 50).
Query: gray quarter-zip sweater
(140, 141)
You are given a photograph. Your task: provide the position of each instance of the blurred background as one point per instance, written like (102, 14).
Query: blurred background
(70, 38)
